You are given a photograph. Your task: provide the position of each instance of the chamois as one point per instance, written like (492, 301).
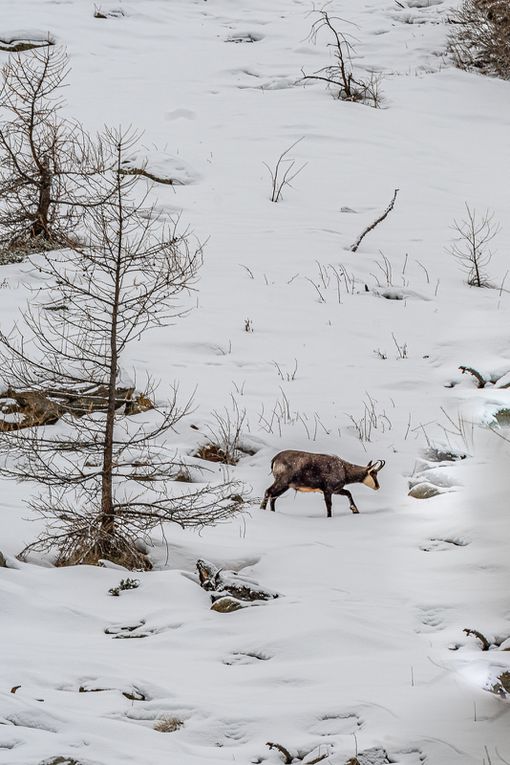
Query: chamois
(306, 471)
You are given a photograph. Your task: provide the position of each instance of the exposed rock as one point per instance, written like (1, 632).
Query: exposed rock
(3, 562)
(16, 45)
(225, 604)
(424, 490)
(220, 583)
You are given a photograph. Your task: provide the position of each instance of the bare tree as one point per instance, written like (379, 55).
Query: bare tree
(340, 74)
(106, 475)
(48, 165)
(470, 248)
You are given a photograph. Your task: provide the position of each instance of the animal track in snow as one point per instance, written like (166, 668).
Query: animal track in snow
(128, 630)
(245, 657)
(139, 629)
(345, 723)
(244, 37)
(431, 619)
(438, 544)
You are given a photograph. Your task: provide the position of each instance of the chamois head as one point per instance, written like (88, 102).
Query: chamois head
(371, 477)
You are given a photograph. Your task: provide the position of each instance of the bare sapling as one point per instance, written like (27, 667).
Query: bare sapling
(340, 75)
(470, 247)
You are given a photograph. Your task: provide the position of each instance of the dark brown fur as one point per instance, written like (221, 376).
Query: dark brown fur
(306, 471)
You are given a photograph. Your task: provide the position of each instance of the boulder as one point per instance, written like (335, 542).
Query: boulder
(226, 604)
(424, 490)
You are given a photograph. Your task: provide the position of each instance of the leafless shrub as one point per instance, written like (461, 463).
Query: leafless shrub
(480, 37)
(283, 172)
(372, 419)
(282, 416)
(340, 75)
(385, 270)
(331, 279)
(286, 376)
(401, 347)
(224, 441)
(248, 325)
(470, 248)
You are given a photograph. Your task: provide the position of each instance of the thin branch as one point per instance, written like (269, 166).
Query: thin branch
(380, 219)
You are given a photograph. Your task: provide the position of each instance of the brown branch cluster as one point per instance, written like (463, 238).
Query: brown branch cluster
(480, 37)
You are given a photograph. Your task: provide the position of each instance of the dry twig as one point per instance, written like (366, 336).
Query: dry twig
(380, 219)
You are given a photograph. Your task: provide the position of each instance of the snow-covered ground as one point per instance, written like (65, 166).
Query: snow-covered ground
(365, 647)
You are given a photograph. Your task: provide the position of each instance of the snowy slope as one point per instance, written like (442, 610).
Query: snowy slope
(365, 647)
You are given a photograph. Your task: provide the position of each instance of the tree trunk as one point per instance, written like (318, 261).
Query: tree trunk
(107, 508)
(40, 226)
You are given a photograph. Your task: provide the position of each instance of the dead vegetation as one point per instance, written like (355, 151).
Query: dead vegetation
(481, 381)
(347, 86)
(168, 724)
(502, 685)
(283, 172)
(368, 229)
(33, 408)
(480, 37)
(494, 643)
(224, 444)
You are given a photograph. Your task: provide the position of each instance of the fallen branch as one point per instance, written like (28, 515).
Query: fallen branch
(370, 228)
(150, 176)
(478, 377)
(483, 640)
(287, 757)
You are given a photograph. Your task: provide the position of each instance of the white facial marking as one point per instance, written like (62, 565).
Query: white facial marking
(369, 481)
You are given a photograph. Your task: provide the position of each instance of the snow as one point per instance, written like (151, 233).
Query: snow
(364, 649)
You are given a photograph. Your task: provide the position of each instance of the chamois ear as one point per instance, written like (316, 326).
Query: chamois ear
(379, 465)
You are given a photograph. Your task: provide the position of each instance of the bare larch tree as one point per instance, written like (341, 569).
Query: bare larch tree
(49, 167)
(107, 475)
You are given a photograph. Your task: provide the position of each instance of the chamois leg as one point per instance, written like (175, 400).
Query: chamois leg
(352, 503)
(327, 500)
(274, 491)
